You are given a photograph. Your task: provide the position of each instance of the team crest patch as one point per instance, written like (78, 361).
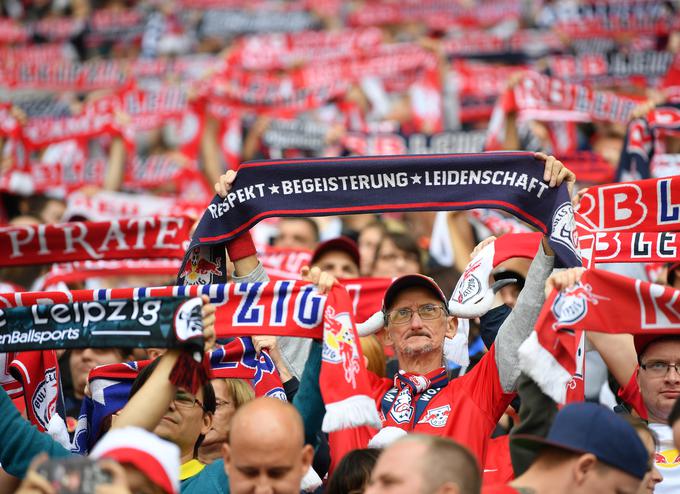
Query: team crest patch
(436, 417)
(188, 321)
(571, 305)
(564, 228)
(402, 410)
(199, 270)
(44, 399)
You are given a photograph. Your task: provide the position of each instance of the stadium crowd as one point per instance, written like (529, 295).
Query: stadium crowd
(285, 246)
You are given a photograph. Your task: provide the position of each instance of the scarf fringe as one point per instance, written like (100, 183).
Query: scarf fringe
(311, 481)
(354, 411)
(539, 364)
(386, 436)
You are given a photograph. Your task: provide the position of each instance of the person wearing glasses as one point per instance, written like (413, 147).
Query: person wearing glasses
(421, 398)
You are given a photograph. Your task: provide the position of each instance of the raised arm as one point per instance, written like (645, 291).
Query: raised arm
(517, 327)
(146, 408)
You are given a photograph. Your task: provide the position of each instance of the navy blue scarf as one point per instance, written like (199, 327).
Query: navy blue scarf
(511, 181)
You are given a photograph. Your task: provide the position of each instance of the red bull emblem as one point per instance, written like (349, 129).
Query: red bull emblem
(436, 417)
(339, 346)
(571, 305)
(669, 458)
(199, 271)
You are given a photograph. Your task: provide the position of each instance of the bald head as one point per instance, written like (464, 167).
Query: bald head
(267, 419)
(266, 448)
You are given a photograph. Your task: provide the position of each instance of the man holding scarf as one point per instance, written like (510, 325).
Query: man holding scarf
(421, 398)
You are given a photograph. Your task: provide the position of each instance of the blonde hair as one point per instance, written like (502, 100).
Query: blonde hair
(375, 354)
(240, 391)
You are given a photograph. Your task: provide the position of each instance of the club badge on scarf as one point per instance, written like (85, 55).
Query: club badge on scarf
(603, 302)
(509, 181)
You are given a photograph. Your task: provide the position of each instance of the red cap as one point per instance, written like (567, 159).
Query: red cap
(408, 281)
(342, 244)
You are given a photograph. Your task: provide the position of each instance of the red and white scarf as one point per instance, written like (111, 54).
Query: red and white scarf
(603, 302)
(284, 308)
(132, 238)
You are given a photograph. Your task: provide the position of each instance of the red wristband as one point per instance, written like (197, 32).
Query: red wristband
(241, 246)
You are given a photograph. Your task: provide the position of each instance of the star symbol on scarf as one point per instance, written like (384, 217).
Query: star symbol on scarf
(415, 179)
(274, 189)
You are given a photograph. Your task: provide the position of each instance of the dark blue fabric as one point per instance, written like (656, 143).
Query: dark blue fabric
(511, 181)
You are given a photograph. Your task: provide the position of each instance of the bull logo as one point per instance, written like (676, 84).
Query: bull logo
(339, 345)
(199, 270)
(571, 305)
(436, 417)
(669, 458)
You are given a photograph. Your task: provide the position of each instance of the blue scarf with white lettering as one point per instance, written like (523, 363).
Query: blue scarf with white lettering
(511, 181)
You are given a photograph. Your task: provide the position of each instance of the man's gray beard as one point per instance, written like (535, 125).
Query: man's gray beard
(411, 352)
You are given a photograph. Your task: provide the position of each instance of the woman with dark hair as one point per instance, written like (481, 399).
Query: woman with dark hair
(397, 254)
(353, 472)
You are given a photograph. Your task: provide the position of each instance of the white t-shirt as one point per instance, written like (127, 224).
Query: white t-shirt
(667, 460)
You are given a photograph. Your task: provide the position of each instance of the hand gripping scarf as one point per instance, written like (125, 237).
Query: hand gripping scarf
(603, 302)
(317, 187)
(283, 308)
(171, 322)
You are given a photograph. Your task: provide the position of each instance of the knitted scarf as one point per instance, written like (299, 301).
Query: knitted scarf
(603, 302)
(131, 238)
(285, 308)
(509, 181)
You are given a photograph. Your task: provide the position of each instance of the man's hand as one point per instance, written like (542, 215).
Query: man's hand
(555, 172)
(324, 281)
(563, 279)
(223, 186)
(478, 248)
(266, 342)
(208, 313)
(33, 482)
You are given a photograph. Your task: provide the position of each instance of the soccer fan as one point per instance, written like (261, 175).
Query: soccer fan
(338, 256)
(427, 465)
(588, 449)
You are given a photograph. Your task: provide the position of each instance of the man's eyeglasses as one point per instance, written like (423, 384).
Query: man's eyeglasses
(185, 400)
(426, 312)
(659, 368)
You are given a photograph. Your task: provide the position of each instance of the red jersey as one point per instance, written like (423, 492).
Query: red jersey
(630, 393)
(466, 410)
(498, 464)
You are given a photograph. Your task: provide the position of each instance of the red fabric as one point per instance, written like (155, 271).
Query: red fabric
(498, 464)
(604, 302)
(642, 206)
(473, 404)
(630, 394)
(241, 247)
(131, 238)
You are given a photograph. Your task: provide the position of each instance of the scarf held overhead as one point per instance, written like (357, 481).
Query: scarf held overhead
(80, 241)
(603, 302)
(147, 322)
(286, 308)
(317, 187)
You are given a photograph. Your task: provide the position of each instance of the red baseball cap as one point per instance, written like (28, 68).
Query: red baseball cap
(342, 244)
(408, 281)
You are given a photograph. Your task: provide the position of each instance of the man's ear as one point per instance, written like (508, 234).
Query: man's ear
(307, 457)
(386, 336)
(451, 326)
(583, 466)
(207, 420)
